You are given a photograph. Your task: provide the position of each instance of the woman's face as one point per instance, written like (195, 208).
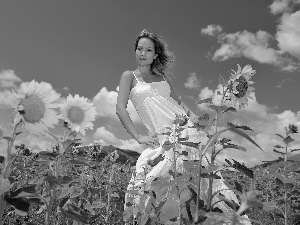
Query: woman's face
(145, 52)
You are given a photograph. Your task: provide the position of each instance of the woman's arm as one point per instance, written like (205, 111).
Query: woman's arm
(122, 101)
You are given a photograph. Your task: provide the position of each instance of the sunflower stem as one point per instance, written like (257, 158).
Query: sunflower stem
(210, 182)
(49, 208)
(57, 170)
(175, 176)
(211, 179)
(111, 175)
(9, 147)
(199, 185)
(7, 165)
(1, 208)
(223, 96)
(285, 188)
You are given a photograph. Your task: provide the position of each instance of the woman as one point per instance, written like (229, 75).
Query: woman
(157, 104)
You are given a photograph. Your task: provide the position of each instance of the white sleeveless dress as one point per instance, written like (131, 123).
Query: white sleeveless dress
(157, 110)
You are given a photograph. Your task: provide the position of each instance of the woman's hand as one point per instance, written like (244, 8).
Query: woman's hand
(151, 141)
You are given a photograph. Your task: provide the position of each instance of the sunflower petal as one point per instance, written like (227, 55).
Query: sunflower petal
(36, 96)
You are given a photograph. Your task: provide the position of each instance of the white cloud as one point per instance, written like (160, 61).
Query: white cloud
(288, 34)
(281, 6)
(105, 102)
(106, 137)
(255, 46)
(6, 98)
(36, 144)
(259, 46)
(192, 81)
(8, 78)
(212, 30)
(208, 93)
(132, 145)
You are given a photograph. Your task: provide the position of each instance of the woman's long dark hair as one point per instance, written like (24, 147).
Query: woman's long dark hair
(165, 60)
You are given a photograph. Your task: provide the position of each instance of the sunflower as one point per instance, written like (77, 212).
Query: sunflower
(34, 103)
(239, 86)
(78, 113)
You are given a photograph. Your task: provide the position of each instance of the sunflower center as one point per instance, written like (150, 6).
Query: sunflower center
(34, 109)
(76, 114)
(242, 87)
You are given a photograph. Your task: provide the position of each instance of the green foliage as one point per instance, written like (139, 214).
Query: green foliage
(75, 184)
(81, 190)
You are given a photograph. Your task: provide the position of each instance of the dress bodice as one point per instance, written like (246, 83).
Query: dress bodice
(153, 103)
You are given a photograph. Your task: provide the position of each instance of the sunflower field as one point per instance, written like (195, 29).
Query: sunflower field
(75, 184)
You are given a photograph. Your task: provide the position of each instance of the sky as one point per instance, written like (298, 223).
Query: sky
(83, 47)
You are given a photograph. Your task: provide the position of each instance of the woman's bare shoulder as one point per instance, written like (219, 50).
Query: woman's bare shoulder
(128, 75)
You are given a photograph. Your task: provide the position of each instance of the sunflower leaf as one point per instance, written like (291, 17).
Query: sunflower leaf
(269, 206)
(230, 163)
(155, 161)
(207, 100)
(288, 140)
(244, 135)
(53, 180)
(243, 168)
(239, 187)
(229, 202)
(166, 133)
(67, 143)
(235, 147)
(167, 146)
(24, 192)
(8, 139)
(75, 216)
(279, 135)
(65, 180)
(211, 168)
(51, 154)
(282, 153)
(199, 126)
(63, 202)
(78, 162)
(224, 140)
(207, 175)
(240, 127)
(212, 139)
(190, 144)
(190, 166)
(286, 180)
(21, 206)
(222, 81)
(278, 146)
(219, 108)
(231, 109)
(5, 185)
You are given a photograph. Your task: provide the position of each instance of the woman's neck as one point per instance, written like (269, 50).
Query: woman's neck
(144, 70)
